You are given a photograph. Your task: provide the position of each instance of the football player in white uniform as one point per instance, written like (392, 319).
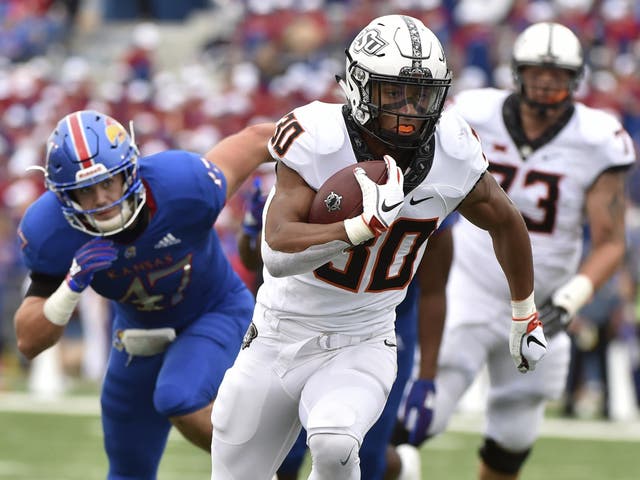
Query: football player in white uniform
(562, 164)
(321, 352)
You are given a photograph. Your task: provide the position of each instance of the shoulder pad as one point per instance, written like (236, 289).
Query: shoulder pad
(308, 131)
(48, 242)
(455, 137)
(478, 105)
(459, 162)
(180, 180)
(605, 135)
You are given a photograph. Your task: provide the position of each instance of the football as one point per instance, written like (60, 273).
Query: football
(340, 197)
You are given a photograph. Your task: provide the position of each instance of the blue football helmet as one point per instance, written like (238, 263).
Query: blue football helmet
(86, 148)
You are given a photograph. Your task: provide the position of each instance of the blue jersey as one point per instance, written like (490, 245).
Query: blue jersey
(174, 271)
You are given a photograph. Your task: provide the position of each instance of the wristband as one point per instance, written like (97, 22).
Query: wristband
(523, 309)
(60, 305)
(574, 294)
(357, 230)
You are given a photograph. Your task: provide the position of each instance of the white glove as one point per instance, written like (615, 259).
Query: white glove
(526, 342)
(380, 203)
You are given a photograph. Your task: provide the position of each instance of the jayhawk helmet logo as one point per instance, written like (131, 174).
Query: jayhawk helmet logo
(114, 132)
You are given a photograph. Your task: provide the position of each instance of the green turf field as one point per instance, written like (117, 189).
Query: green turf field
(66, 446)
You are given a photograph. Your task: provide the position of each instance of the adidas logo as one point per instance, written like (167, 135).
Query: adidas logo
(167, 241)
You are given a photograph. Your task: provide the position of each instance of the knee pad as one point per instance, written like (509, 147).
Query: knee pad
(501, 460)
(334, 455)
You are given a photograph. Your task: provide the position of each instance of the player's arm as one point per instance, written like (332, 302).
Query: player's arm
(286, 227)
(432, 275)
(605, 209)
(292, 246)
(238, 155)
(488, 207)
(50, 301)
(34, 332)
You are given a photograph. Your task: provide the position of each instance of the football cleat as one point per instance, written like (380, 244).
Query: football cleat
(410, 461)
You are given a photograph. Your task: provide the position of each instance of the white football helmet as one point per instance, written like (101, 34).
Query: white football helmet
(397, 54)
(551, 45)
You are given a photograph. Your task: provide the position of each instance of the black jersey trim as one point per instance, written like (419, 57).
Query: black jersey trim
(513, 123)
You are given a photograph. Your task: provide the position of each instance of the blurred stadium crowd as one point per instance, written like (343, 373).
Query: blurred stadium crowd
(257, 59)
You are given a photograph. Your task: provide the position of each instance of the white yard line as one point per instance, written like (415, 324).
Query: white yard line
(63, 405)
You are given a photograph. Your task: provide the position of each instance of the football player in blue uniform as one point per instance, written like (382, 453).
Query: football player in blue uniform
(139, 230)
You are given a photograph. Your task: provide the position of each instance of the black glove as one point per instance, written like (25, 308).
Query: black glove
(554, 319)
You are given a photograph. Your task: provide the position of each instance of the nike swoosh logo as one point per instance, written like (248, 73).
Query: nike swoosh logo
(413, 201)
(389, 344)
(534, 340)
(348, 457)
(388, 208)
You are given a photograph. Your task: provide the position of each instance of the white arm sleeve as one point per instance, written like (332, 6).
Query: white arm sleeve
(282, 264)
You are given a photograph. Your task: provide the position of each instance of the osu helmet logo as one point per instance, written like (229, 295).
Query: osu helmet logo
(370, 42)
(115, 132)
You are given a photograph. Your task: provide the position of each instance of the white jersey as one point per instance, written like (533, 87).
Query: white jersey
(357, 291)
(549, 188)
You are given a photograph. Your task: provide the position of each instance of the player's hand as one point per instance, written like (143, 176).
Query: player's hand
(418, 411)
(554, 319)
(252, 221)
(95, 255)
(380, 203)
(526, 342)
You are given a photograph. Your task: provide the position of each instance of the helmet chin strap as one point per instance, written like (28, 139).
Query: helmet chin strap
(117, 222)
(542, 110)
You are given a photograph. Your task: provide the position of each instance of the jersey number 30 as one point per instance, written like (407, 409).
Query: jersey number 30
(351, 277)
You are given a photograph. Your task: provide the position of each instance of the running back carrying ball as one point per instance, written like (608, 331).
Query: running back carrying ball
(340, 197)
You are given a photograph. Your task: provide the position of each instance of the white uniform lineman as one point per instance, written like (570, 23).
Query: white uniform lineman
(339, 315)
(549, 186)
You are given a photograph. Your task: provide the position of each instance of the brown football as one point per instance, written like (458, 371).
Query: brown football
(340, 196)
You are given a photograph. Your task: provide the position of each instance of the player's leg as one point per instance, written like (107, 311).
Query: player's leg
(378, 460)
(255, 419)
(515, 409)
(135, 434)
(196, 427)
(293, 461)
(186, 398)
(204, 350)
(463, 352)
(341, 400)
